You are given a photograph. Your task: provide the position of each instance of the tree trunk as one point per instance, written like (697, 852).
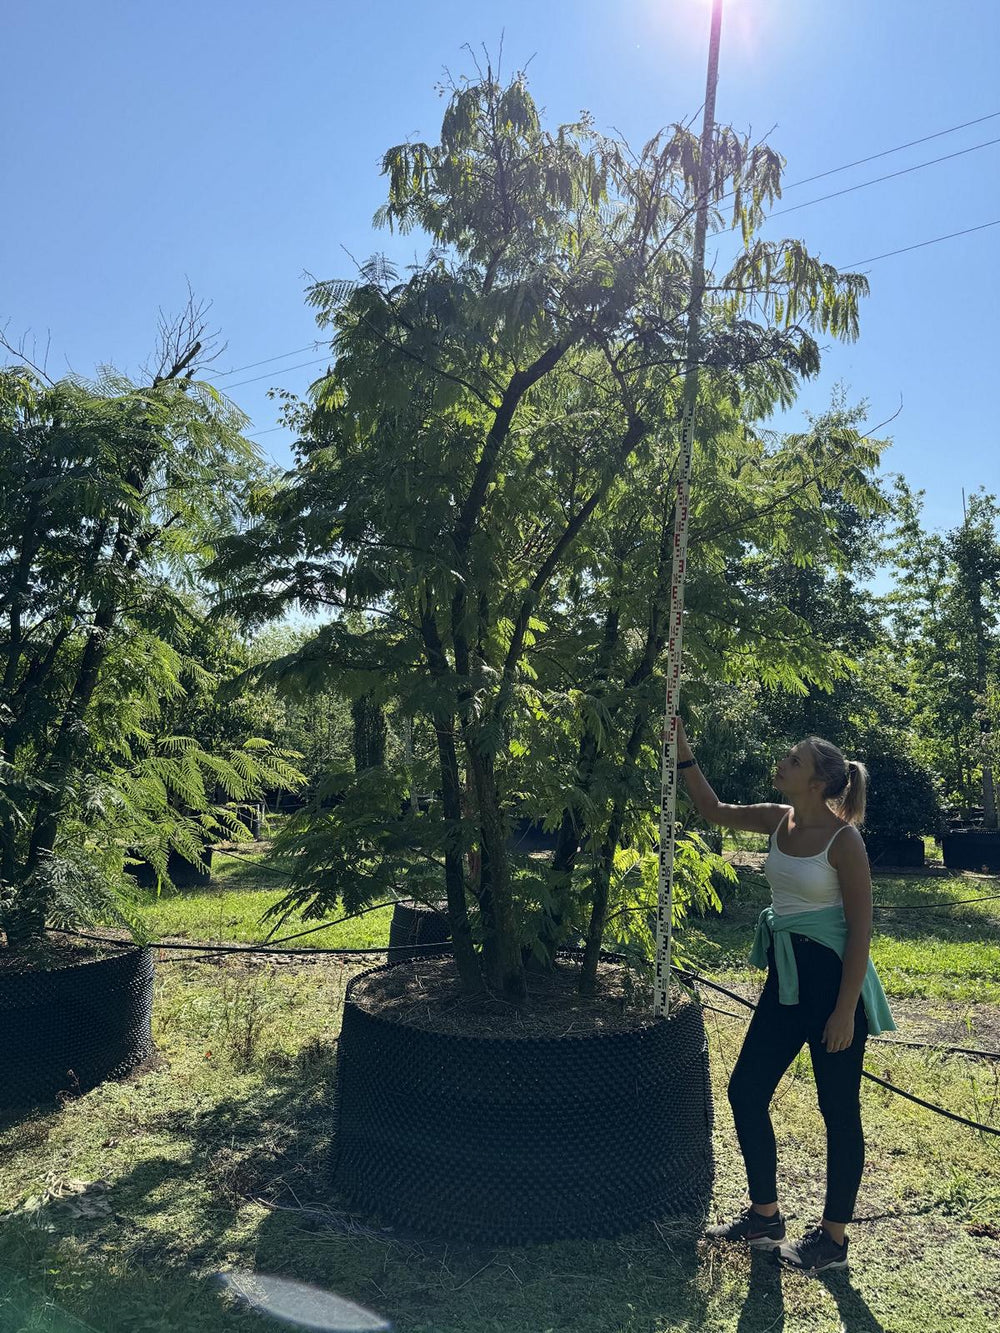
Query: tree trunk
(574, 821)
(601, 883)
(466, 961)
(568, 841)
(505, 969)
(989, 798)
(369, 730)
(71, 743)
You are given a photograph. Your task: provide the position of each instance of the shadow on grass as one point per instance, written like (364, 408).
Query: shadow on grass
(855, 1314)
(764, 1307)
(243, 1183)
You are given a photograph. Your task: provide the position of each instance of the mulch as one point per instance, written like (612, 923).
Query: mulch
(427, 994)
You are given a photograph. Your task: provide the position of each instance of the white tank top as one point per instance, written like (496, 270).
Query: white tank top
(801, 883)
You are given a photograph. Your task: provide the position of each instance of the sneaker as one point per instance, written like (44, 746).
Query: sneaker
(816, 1252)
(760, 1232)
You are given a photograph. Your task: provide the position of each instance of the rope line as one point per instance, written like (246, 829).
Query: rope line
(874, 1078)
(208, 953)
(206, 950)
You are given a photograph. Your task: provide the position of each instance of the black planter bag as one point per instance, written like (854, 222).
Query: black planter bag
(496, 1140)
(66, 1029)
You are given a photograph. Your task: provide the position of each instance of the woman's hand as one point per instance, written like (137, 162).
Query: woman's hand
(683, 744)
(839, 1031)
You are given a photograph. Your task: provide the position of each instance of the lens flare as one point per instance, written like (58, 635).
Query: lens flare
(299, 1304)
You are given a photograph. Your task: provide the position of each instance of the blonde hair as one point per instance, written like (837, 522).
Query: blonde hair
(845, 781)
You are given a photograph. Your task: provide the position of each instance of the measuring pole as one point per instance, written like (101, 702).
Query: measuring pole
(668, 759)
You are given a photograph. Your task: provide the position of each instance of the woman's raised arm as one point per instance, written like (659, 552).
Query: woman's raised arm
(762, 818)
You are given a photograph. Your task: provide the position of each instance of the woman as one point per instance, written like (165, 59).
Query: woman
(821, 987)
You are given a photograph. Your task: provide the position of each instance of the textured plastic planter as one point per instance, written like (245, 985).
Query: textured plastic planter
(413, 928)
(977, 849)
(66, 1029)
(513, 1140)
(905, 851)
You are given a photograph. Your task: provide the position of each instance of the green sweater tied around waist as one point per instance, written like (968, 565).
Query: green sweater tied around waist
(826, 925)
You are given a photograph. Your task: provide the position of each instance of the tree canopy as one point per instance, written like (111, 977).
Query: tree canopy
(485, 472)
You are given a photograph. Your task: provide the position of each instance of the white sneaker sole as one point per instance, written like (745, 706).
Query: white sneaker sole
(765, 1243)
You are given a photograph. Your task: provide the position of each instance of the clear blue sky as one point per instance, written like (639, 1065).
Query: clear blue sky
(236, 144)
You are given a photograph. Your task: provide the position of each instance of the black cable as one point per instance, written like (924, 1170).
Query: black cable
(934, 907)
(920, 245)
(208, 952)
(886, 1041)
(877, 180)
(212, 949)
(930, 1106)
(255, 379)
(261, 865)
(806, 180)
(311, 347)
(350, 916)
(938, 1110)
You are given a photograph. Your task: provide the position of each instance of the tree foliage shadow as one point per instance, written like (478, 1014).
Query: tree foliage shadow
(177, 1214)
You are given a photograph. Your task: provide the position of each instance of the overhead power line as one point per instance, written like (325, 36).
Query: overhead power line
(887, 152)
(831, 171)
(252, 365)
(891, 175)
(287, 370)
(919, 245)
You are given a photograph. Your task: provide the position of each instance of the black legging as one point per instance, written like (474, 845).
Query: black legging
(776, 1034)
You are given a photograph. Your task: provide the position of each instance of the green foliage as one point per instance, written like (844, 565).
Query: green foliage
(902, 796)
(945, 625)
(126, 489)
(483, 493)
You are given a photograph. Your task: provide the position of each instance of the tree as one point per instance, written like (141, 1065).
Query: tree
(475, 475)
(123, 489)
(943, 615)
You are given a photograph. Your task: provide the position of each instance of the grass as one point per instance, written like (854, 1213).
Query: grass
(232, 907)
(920, 947)
(189, 1169)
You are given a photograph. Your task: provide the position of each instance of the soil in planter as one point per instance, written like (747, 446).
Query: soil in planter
(50, 952)
(427, 994)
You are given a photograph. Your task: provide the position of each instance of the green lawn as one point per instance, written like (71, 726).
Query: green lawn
(232, 906)
(179, 1168)
(936, 951)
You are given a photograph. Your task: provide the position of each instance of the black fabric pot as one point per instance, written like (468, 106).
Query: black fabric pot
(66, 1029)
(974, 850)
(509, 1141)
(527, 836)
(184, 874)
(414, 924)
(884, 850)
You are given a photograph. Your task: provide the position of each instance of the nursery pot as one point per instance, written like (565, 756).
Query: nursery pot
(184, 874)
(888, 850)
(64, 1029)
(515, 1140)
(976, 849)
(414, 928)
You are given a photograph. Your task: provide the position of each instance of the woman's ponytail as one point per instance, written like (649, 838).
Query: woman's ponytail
(851, 806)
(845, 781)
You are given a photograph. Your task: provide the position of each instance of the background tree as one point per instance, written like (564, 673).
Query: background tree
(944, 620)
(122, 491)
